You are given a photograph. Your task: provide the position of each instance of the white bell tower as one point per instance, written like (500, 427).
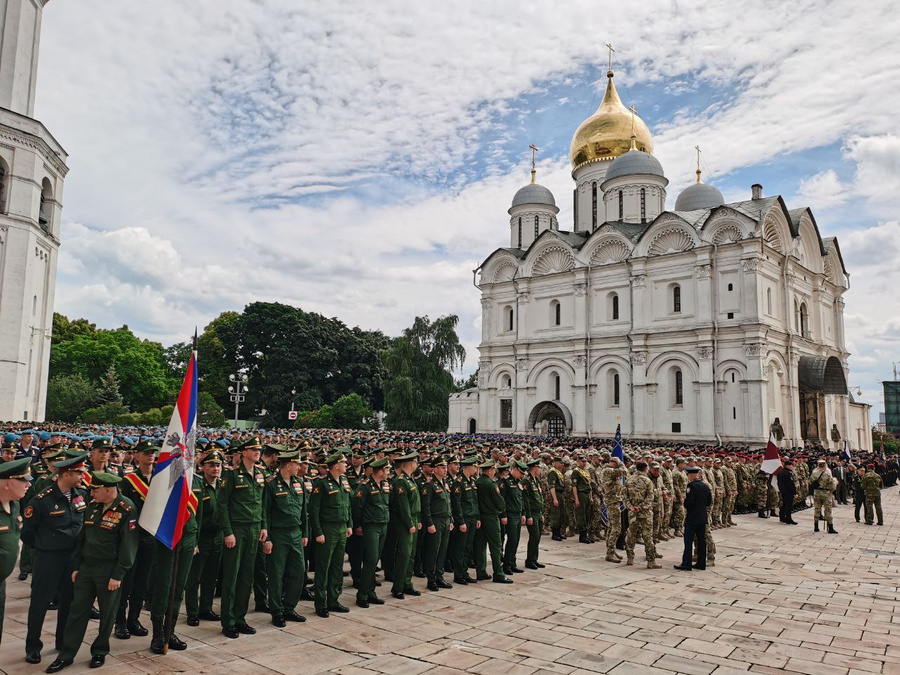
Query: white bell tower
(32, 169)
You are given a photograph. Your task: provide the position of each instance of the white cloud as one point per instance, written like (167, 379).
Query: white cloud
(824, 189)
(877, 168)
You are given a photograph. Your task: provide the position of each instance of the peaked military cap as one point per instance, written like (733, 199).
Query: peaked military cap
(145, 446)
(379, 463)
(251, 444)
(289, 456)
(102, 479)
(469, 461)
(18, 468)
(71, 464)
(334, 458)
(212, 458)
(490, 464)
(406, 458)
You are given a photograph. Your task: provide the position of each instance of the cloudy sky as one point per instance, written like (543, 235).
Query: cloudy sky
(357, 159)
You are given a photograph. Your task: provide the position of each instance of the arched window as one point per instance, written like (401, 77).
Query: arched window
(555, 313)
(677, 386)
(510, 318)
(537, 223)
(676, 299)
(34, 306)
(46, 198)
(594, 206)
(769, 301)
(643, 205)
(4, 176)
(614, 389)
(506, 382)
(804, 320)
(519, 245)
(621, 205)
(556, 387)
(613, 307)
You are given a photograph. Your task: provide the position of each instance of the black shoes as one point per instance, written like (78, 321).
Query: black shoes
(531, 566)
(135, 628)
(210, 616)
(375, 600)
(121, 632)
(231, 632)
(683, 569)
(95, 613)
(461, 581)
(245, 629)
(397, 595)
(33, 657)
(306, 595)
(278, 621)
(432, 586)
(831, 529)
(518, 570)
(322, 613)
(177, 643)
(262, 607)
(484, 577)
(293, 616)
(193, 621)
(443, 584)
(411, 591)
(500, 579)
(59, 664)
(364, 604)
(339, 608)
(97, 661)
(23, 576)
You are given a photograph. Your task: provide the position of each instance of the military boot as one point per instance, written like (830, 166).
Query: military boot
(158, 641)
(816, 526)
(762, 513)
(653, 565)
(613, 559)
(630, 560)
(831, 529)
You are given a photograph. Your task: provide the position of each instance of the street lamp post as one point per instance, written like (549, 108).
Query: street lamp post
(237, 393)
(293, 394)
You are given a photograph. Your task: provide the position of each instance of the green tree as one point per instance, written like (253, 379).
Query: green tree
(351, 412)
(68, 396)
(209, 412)
(418, 364)
(108, 391)
(468, 383)
(316, 419)
(65, 330)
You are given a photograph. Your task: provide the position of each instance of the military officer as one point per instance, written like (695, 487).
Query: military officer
(205, 565)
(355, 474)
(52, 524)
(405, 507)
(106, 549)
(517, 512)
(824, 488)
(331, 524)
(243, 524)
(285, 506)
(613, 490)
(492, 512)
(464, 506)
(871, 485)
(437, 522)
(371, 516)
(534, 509)
(15, 477)
(556, 480)
(583, 499)
(640, 498)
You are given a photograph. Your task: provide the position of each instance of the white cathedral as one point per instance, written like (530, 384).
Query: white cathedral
(32, 169)
(711, 322)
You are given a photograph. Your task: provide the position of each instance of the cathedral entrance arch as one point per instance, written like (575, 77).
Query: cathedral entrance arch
(550, 418)
(818, 376)
(472, 425)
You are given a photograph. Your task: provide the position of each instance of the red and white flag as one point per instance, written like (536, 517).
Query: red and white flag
(771, 463)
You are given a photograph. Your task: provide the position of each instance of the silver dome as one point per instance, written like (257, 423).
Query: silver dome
(533, 194)
(634, 163)
(699, 196)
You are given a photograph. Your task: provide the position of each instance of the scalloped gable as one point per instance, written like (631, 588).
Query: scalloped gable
(832, 242)
(797, 216)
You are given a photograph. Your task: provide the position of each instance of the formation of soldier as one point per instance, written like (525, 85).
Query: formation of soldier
(274, 517)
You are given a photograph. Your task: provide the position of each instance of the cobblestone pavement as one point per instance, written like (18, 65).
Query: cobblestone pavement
(780, 599)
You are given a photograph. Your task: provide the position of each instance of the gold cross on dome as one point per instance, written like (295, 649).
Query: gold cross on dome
(533, 168)
(697, 148)
(611, 50)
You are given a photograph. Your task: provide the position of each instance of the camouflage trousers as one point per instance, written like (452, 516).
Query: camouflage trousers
(716, 513)
(640, 525)
(822, 498)
(596, 527)
(710, 546)
(666, 515)
(762, 495)
(657, 519)
(728, 508)
(678, 516)
(614, 529)
(569, 501)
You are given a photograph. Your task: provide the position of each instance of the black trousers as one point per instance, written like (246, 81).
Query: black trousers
(52, 577)
(691, 531)
(787, 503)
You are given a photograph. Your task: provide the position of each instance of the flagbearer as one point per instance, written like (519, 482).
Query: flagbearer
(243, 523)
(205, 565)
(285, 508)
(165, 575)
(106, 550)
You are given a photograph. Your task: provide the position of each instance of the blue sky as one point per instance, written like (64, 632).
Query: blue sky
(358, 160)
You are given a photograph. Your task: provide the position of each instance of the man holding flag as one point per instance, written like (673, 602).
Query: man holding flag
(770, 466)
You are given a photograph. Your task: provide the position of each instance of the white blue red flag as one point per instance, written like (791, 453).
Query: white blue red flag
(166, 508)
(847, 452)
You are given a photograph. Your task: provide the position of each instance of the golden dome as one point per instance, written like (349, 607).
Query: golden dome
(607, 133)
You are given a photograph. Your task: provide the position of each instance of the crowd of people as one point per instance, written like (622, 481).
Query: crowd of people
(274, 515)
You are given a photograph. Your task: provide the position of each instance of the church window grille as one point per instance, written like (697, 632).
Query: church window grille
(615, 389)
(556, 313)
(3, 177)
(537, 225)
(506, 413)
(643, 205)
(621, 205)
(556, 387)
(510, 318)
(614, 307)
(594, 206)
(676, 299)
(520, 233)
(769, 301)
(679, 387)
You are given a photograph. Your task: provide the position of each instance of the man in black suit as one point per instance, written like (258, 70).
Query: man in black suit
(841, 474)
(788, 489)
(696, 502)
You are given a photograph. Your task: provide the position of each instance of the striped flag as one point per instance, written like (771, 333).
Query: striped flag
(170, 497)
(771, 463)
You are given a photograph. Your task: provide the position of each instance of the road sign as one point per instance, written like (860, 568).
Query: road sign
(292, 415)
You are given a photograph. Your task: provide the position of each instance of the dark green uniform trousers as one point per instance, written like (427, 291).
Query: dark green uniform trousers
(418, 565)
(435, 549)
(389, 552)
(513, 535)
(52, 578)
(535, 530)
(329, 580)
(460, 549)
(134, 584)
(26, 558)
(237, 575)
(583, 511)
(203, 575)
(162, 581)
(260, 578)
(372, 544)
(404, 554)
(286, 569)
(355, 557)
(92, 583)
(488, 535)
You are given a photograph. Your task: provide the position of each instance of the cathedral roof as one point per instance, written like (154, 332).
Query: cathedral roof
(699, 196)
(533, 194)
(634, 163)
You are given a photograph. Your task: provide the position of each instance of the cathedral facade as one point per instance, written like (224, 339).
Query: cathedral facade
(32, 170)
(714, 322)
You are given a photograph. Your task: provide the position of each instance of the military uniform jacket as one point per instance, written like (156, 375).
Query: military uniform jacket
(513, 496)
(135, 486)
(10, 526)
(490, 501)
(463, 499)
(207, 505)
(329, 504)
(371, 503)
(284, 504)
(534, 497)
(871, 484)
(822, 480)
(240, 499)
(555, 479)
(435, 502)
(581, 479)
(612, 485)
(639, 491)
(109, 533)
(52, 522)
(406, 505)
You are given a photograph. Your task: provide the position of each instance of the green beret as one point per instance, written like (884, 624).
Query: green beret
(18, 468)
(101, 479)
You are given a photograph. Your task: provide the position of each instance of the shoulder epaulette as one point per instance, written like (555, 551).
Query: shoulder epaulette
(42, 493)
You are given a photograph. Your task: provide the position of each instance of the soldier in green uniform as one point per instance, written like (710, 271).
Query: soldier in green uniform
(205, 566)
(331, 525)
(406, 507)
(534, 513)
(557, 481)
(825, 485)
(134, 487)
(107, 547)
(464, 507)
(871, 486)
(371, 516)
(52, 523)
(285, 507)
(437, 522)
(15, 477)
(422, 478)
(269, 467)
(517, 512)
(492, 512)
(639, 493)
(243, 523)
(355, 474)
(583, 499)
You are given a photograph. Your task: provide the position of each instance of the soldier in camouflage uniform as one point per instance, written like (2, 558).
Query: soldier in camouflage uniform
(640, 498)
(871, 484)
(557, 498)
(665, 474)
(613, 493)
(731, 487)
(824, 488)
(596, 528)
(545, 466)
(656, 480)
(569, 502)
(718, 487)
(679, 490)
(762, 493)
